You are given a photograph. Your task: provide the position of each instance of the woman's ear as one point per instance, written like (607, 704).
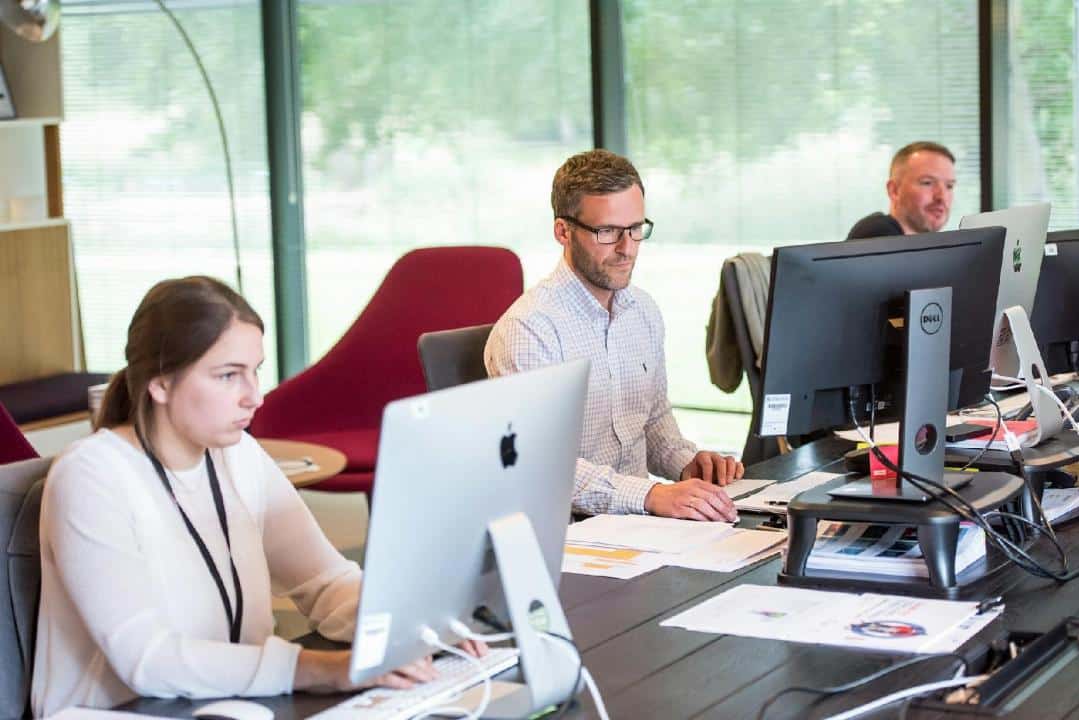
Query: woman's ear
(159, 389)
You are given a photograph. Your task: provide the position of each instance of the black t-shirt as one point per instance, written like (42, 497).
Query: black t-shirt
(876, 225)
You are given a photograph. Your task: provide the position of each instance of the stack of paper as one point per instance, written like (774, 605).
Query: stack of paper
(644, 532)
(624, 546)
(869, 621)
(886, 549)
(774, 498)
(1060, 504)
(733, 551)
(745, 486)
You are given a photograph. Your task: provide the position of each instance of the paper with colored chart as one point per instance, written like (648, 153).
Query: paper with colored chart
(644, 532)
(625, 546)
(619, 563)
(867, 621)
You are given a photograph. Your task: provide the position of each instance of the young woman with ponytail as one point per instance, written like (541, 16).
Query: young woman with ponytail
(164, 534)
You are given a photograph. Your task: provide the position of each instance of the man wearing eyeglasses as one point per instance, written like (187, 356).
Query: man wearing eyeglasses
(587, 308)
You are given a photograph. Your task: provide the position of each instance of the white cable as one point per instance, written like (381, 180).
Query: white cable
(464, 631)
(861, 433)
(1059, 403)
(575, 655)
(430, 637)
(597, 699)
(903, 694)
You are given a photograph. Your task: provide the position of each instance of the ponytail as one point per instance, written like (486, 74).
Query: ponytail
(116, 406)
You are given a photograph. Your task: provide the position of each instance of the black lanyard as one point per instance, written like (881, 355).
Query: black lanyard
(236, 620)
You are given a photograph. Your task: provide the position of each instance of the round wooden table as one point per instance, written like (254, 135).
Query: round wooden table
(325, 462)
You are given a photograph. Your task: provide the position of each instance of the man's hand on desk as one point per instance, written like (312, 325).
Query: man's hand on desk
(692, 499)
(713, 468)
(326, 671)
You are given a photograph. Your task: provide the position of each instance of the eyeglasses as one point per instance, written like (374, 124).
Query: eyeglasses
(610, 234)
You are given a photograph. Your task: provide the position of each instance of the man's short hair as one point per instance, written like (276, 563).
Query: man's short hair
(595, 172)
(900, 158)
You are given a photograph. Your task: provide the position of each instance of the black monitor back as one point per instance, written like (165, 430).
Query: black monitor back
(1055, 317)
(828, 323)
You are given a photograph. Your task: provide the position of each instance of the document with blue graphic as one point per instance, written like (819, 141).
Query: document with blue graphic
(868, 621)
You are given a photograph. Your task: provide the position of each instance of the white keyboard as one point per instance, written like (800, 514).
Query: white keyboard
(455, 675)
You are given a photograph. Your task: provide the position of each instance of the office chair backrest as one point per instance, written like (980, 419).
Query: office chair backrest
(453, 357)
(13, 444)
(21, 484)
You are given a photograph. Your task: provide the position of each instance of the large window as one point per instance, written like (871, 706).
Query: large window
(754, 124)
(1041, 112)
(757, 124)
(144, 173)
(429, 122)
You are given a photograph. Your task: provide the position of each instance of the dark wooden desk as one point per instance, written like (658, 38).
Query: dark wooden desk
(645, 671)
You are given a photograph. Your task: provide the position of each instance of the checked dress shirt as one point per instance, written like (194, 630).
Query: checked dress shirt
(629, 429)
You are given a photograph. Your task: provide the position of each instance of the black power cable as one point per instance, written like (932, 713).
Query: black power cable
(962, 507)
(826, 692)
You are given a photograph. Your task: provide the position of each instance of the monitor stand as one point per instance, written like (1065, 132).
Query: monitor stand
(1018, 356)
(927, 342)
(927, 347)
(548, 671)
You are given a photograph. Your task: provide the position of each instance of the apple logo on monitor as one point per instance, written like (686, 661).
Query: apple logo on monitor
(506, 448)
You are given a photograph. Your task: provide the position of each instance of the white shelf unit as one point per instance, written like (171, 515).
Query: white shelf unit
(37, 122)
(24, 191)
(33, 225)
(40, 325)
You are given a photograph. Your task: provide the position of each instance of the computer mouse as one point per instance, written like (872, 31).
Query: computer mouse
(233, 710)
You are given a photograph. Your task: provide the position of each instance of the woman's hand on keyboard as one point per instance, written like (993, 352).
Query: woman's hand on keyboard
(420, 671)
(326, 671)
(475, 648)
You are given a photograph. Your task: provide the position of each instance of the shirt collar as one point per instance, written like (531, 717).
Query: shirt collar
(564, 278)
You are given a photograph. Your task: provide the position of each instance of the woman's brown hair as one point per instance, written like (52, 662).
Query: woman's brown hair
(174, 325)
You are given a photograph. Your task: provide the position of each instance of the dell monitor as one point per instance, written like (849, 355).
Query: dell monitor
(835, 333)
(459, 471)
(1055, 318)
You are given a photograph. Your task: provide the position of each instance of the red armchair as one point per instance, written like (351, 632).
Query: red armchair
(13, 444)
(338, 401)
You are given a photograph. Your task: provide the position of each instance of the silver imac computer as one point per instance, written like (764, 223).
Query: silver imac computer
(1014, 352)
(1024, 245)
(471, 503)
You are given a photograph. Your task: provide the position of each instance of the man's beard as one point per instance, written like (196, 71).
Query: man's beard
(592, 271)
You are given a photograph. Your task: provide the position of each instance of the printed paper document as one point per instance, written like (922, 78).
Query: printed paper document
(774, 497)
(869, 621)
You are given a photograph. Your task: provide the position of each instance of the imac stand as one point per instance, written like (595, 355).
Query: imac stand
(548, 674)
(1018, 356)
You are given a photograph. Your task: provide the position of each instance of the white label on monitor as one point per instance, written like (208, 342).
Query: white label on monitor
(777, 408)
(374, 636)
(1050, 249)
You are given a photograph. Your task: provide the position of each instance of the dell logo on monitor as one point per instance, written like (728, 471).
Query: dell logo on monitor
(932, 317)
